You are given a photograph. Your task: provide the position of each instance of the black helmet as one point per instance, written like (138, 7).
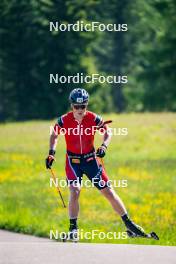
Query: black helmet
(79, 96)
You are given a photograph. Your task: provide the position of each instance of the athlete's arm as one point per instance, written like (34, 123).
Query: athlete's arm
(52, 150)
(55, 133)
(101, 151)
(52, 146)
(53, 141)
(102, 125)
(106, 137)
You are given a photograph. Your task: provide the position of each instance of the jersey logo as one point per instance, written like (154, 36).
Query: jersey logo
(77, 161)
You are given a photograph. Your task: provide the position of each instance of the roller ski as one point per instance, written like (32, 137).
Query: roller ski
(71, 236)
(151, 235)
(136, 231)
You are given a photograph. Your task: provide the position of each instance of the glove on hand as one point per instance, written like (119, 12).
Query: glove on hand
(49, 160)
(101, 151)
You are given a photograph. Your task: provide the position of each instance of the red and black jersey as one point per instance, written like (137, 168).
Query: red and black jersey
(79, 136)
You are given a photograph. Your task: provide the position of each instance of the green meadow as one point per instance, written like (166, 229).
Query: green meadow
(146, 158)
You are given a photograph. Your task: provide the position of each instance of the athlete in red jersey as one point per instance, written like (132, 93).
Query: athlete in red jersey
(79, 127)
(79, 136)
(86, 128)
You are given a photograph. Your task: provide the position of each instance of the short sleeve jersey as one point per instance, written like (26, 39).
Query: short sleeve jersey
(79, 136)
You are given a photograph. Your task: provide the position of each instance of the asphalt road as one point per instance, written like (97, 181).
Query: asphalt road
(24, 249)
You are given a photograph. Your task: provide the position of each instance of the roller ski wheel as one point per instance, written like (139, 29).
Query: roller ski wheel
(151, 235)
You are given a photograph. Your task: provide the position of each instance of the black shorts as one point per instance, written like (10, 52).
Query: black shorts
(88, 164)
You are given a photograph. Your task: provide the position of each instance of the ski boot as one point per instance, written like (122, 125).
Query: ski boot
(134, 230)
(72, 236)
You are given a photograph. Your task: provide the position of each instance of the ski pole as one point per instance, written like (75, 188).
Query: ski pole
(101, 161)
(57, 187)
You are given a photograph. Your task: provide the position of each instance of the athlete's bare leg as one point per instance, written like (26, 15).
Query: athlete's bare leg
(115, 200)
(74, 201)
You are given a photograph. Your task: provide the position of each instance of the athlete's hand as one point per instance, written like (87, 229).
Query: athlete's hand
(49, 160)
(101, 151)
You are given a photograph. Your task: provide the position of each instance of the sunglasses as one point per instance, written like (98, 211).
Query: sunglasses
(81, 106)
